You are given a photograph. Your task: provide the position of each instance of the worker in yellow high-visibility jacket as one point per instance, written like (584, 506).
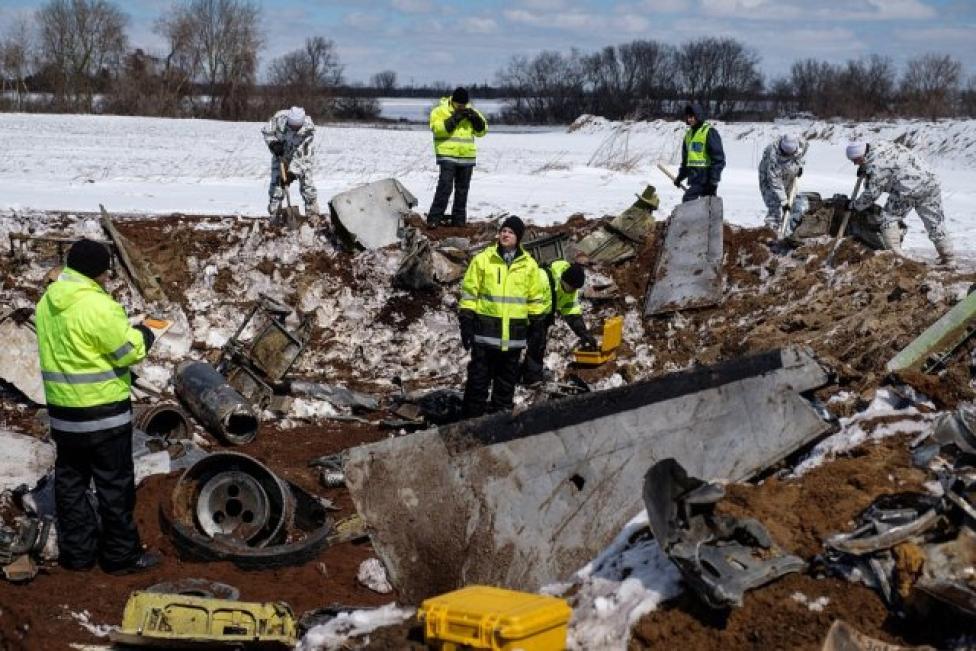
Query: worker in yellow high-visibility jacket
(86, 347)
(702, 156)
(455, 124)
(501, 306)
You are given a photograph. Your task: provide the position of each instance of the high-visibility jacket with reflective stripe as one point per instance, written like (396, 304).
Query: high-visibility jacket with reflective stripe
(457, 146)
(695, 150)
(502, 297)
(86, 346)
(567, 303)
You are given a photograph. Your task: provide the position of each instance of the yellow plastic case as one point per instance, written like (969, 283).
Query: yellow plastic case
(174, 621)
(612, 335)
(484, 617)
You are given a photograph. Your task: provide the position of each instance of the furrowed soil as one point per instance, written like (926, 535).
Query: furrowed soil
(854, 316)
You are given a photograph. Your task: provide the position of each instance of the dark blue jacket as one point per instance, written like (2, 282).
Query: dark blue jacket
(713, 145)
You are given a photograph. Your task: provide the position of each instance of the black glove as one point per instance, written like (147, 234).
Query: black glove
(785, 208)
(587, 342)
(709, 190)
(861, 171)
(277, 148)
(466, 320)
(289, 177)
(799, 173)
(450, 124)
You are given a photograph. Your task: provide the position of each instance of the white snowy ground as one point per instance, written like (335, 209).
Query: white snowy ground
(150, 165)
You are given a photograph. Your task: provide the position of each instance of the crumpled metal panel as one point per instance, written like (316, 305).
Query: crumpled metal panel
(371, 215)
(689, 272)
(523, 500)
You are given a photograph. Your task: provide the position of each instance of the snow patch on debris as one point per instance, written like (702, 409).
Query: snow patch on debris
(84, 620)
(623, 583)
(337, 633)
(372, 574)
(852, 432)
(815, 605)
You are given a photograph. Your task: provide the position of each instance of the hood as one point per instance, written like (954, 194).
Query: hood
(62, 294)
(696, 110)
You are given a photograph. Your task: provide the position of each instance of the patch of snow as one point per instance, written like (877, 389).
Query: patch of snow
(312, 409)
(372, 575)
(816, 605)
(84, 620)
(627, 580)
(338, 633)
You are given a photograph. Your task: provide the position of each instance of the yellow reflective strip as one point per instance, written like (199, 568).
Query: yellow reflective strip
(84, 378)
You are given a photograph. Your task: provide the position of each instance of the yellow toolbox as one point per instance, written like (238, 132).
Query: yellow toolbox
(484, 617)
(612, 334)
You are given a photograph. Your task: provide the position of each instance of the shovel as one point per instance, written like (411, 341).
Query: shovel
(788, 210)
(671, 176)
(843, 223)
(292, 216)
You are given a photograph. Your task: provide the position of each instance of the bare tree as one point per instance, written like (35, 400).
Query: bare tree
(930, 85)
(17, 58)
(218, 40)
(82, 43)
(549, 88)
(653, 68)
(717, 72)
(384, 81)
(865, 88)
(308, 76)
(813, 85)
(967, 98)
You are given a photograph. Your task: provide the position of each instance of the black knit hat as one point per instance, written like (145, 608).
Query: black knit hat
(517, 226)
(574, 276)
(460, 95)
(89, 258)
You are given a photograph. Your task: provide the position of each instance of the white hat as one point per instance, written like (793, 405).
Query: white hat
(296, 117)
(856, 150)
(788, 144)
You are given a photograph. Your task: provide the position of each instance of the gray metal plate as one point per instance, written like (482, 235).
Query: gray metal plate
(689, 271)
(371, 214)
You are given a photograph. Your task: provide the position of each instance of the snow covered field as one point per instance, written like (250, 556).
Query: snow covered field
(150, 165)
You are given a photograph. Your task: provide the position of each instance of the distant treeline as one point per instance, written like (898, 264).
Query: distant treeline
(74, 56)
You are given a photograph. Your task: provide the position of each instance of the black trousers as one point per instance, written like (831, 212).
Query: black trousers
(107, 461)
(490, 368)
(535, 353)
(696, 190)
(458, 178)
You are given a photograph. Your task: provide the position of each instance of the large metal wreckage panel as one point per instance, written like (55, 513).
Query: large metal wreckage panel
(371, 215)
(689, 271)
(522, 500)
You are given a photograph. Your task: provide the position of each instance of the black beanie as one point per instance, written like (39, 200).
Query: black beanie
(460, 95)
(516, 224)
(574, 276)
(89, 258)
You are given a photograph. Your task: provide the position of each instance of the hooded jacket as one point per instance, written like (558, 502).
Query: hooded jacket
(86, 346)
(712, 174)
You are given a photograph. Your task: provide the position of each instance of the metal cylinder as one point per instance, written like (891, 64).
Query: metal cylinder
(217, 405)
(165, 420)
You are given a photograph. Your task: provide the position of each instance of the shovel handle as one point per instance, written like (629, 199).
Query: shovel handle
(843, 223)
(790, 198)
(667, 172)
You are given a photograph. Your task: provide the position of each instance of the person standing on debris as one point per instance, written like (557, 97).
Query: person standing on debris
(455, 124)
(702, 156)
(86, 347)
(910, 183)
(560, 283)
(780, 167)
(501, 305)
(289, 134)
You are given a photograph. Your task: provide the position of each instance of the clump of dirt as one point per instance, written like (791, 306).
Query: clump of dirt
(402, 309)
(947, 389)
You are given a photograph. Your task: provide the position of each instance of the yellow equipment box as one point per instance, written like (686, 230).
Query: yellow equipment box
(175, 621)
(483, 617)
(612, 334)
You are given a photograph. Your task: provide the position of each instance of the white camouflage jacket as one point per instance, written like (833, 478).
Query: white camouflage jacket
(894, 169)
(298, 144)
(777, 170)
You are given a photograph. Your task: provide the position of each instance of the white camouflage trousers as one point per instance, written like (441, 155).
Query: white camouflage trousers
(927, 202)
(303, 173)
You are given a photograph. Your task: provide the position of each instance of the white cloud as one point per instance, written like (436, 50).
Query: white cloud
(631, 24)
(362, 20)
(413, 6)
(665, 6)
(901, 9)
(476, 25)
(545, 5)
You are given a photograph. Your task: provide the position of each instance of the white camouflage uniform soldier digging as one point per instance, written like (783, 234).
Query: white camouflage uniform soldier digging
(289, 136)
(910, 183)
(782, 162)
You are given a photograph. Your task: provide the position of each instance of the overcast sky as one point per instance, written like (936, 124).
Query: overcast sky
(464, 41)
